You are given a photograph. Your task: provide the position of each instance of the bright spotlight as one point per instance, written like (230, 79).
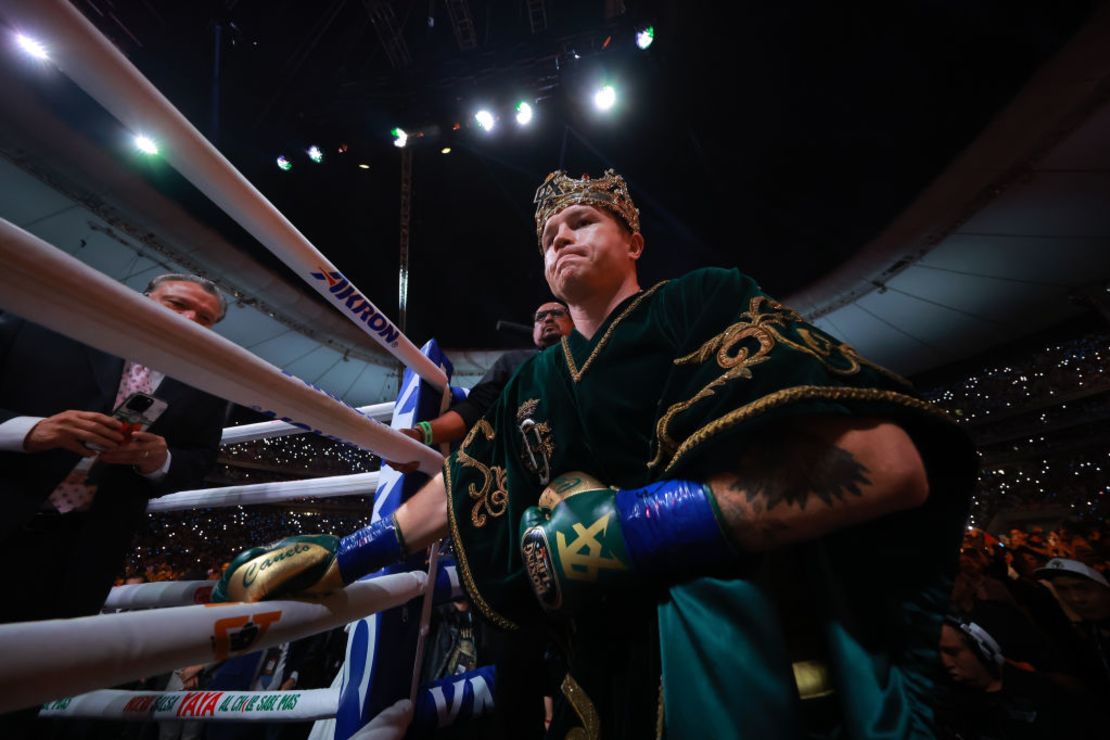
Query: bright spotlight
(485, 119)
(605, 98)
(146, 145)
(645, 37)
(283, 163)
(445, 150)
(32, 47)
(363, 165)
(523, 113)
(315, 154)
(400, 138)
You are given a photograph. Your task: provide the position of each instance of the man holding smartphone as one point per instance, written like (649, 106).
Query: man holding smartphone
(77, 465)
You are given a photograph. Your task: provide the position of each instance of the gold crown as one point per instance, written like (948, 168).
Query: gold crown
(610, 192)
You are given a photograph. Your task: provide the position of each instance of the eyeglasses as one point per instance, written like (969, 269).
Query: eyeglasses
(555, 313)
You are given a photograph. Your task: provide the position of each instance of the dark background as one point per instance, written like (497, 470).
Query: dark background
(778, 138)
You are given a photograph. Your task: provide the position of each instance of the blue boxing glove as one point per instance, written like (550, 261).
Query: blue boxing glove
(584, 536)
(309, 565)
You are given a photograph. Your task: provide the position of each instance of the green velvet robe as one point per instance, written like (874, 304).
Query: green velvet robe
(673, 385)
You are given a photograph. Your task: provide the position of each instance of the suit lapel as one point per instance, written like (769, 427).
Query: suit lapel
(107, 370)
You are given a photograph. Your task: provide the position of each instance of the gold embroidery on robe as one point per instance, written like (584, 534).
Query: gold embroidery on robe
(584, 708)
(463, 561)
(797, 394)
(575, 373)
(491, 497)
(766, 323)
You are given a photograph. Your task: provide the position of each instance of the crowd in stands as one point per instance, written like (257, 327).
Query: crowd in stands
(1027, 642)
(1040, 418)
(186, 545)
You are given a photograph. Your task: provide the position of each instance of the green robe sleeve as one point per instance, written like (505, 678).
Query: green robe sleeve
(743, 360)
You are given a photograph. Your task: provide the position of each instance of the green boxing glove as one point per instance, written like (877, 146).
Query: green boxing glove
(310, 564)
(304, 564)
(585, 538)
(572, 538)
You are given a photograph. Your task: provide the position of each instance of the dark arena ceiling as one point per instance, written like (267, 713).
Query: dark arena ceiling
(779, 138)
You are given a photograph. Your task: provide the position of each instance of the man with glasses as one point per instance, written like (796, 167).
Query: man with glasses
(551, 323)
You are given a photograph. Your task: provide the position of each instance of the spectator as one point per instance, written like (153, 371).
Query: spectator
(1086, 593)
(991, 698)
(56, 395)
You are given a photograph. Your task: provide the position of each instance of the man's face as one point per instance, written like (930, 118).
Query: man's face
(189, 300)
(587, 253)
(962, 663)
(550, 324)
(1089, 600)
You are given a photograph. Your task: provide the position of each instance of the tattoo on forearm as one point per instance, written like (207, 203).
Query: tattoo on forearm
(796, 470)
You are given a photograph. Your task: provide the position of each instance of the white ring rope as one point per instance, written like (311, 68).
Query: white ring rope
(58, 291)
(91, 61)
(162, 594)
(358, 484)
(269, 429)
(158, 595)
(234, 706)
(65, 657)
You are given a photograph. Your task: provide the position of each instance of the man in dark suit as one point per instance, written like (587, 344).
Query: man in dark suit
(69, 510)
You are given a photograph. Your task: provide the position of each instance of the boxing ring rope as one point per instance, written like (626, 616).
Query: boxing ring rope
(437, 704)
(242, 706)
(358, 484)
(79, 50)
(158, 595)
(268, 429)
(63, 657)
(162, 594)
(92, 308)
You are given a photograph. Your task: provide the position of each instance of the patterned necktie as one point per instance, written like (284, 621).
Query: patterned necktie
(75, 493)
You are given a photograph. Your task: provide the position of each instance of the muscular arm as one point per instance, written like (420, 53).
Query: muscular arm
(423, 518)
(815, 476)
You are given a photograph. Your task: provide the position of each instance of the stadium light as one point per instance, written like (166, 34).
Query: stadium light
(283, 163)
(315, 154)
(605, 98)
(645, 36)
(400, 138)
(485, 119)
(523, 113)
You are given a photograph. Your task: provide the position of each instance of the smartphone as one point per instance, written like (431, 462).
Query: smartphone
(137, 412)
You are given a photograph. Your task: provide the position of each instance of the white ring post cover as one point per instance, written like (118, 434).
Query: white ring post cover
(47, 286)
(79, 50)
(57, 658)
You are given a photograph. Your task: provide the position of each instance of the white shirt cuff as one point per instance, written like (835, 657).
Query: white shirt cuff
(15, 430)
(160, 473)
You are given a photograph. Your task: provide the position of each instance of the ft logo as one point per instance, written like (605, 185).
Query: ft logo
(236, 634)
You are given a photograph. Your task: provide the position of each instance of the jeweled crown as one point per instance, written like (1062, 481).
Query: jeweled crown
(610, 192)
